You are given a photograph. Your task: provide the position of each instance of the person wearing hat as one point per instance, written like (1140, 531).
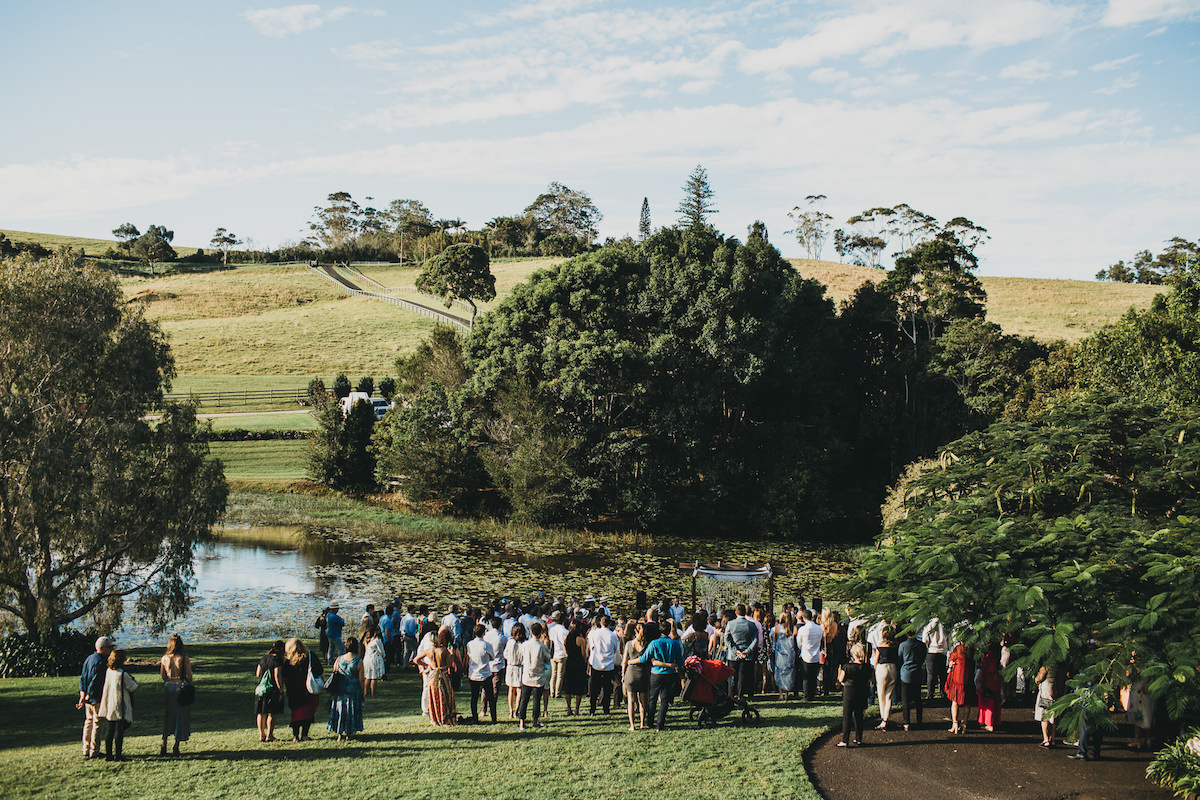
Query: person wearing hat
(333, 629)
(91, 686)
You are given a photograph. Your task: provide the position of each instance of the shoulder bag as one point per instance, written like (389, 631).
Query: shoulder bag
(313, 684)
(187, 695)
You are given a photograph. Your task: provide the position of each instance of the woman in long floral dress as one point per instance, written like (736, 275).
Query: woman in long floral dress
(346, 707)
(439, 660)
(785, 656)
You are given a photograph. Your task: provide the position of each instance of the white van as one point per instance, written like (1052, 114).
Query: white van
(378, 405)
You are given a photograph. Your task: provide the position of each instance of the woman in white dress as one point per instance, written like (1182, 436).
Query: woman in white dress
(373, 661)
(1041, 706)
(512, 673)
(116, 705)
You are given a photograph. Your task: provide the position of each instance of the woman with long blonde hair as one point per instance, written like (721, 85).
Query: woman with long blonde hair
(636, 680)
(175, 668)
(297, 662)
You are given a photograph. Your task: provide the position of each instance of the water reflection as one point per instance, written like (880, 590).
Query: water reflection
(271, 582)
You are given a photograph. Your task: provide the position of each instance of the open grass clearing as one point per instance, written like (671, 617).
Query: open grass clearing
(271, 461)
(283, 320)
(399, 754)
(1046, 309)
(289, 421)
(91, 247)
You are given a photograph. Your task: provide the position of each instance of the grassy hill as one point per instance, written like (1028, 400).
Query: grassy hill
(1046, 309)
(284, 320)
(91, 247)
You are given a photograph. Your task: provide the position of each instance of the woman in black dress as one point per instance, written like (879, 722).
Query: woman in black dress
(296, 664)
(575, 670)
(270, 702)
(856, 681)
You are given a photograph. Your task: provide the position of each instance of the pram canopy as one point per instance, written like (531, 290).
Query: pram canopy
(706, 675)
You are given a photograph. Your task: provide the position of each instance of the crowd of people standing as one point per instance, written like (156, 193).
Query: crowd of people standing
(548, 656)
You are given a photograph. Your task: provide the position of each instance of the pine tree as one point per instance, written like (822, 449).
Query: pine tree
(644, 222)
(697, 201)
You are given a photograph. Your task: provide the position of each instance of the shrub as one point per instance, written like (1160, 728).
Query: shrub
(1177, 766)
(25, 656)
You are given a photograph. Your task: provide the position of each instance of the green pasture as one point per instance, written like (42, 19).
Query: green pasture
(1046, 309)
(399, 754)
(271, 461)
(91, 247)
(303, 421)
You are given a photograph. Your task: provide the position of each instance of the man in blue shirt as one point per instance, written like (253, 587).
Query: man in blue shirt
(665, 656)
(91, 686)
(387, 630)
(408, 630)
(333, 629)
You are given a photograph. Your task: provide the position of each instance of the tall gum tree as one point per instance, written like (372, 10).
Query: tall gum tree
(97, 504)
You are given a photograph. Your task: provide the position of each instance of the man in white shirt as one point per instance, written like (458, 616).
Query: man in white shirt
(603, 645)
(480, 656)
(808, 646)
(452, 622)
(558, 652)
(496, 638)
(937, 645)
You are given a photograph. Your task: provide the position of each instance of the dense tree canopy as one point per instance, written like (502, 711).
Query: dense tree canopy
(460, 272)
(1077, 534)
(679, 383)
(96, 504)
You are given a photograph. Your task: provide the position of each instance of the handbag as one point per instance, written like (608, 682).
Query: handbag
(187, 695)
(265, 685)
(336, 684)
(313, 684)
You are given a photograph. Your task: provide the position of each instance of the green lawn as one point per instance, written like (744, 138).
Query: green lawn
(264, 422)
(399, 754)
(272, 461)
(91, 247)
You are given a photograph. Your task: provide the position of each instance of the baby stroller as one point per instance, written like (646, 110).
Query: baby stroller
(705, 688)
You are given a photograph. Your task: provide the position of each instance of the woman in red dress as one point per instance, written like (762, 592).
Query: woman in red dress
(991, 689)
(957, 669)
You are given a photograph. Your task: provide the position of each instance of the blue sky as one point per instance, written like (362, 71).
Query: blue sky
(1070, 130)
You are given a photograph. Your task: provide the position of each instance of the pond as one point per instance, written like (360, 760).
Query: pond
(271, 582)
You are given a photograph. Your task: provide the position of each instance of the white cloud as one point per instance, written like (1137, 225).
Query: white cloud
(1120, 84)
(1025, 171)
(880, 33)
(1113, 63)
(590, 59)
(1033, 69)
(287, 20)
(1120, 13)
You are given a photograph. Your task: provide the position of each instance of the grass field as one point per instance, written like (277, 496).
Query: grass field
(303, 421)
(1042, 308)
(286, 324)
(91, 247)
(271, 461)
(399, 754)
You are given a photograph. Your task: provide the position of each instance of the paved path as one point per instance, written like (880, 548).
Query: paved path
(332, 272)
(932, 764)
